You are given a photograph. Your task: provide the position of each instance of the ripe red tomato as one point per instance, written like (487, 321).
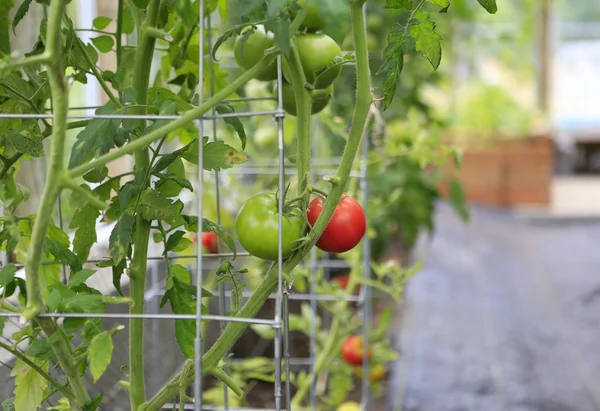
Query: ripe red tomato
(346, 227)
(210, 242)
(353, 350)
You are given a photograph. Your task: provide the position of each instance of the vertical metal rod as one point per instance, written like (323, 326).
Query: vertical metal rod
(278, 299)
(221, 286)
(286, 350)
(199, 211)
(313, 326)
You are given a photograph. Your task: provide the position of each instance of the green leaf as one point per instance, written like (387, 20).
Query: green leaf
(117, 272)
(208, 225)
(41, 349)
(234, 122)
(167, 159)
(444, 4)
(63, 405)
(399, 44)
(489, 5)
(182, 297)
(427, 40)
(128, 22)
(30, 386)
(7, 274)
(104, 44)
(101, 22)
(154, 206)
(100, 353)
(84, 221)
(232, 32)
(141, 4)
(121, 236)
(21, 12)
(80, 277)
(93, 404)
(216, 156)
(99, 136)
(281, 29)
(2, 321)
(63, 254)
(129, 95)
(9, 404)
(123, 78)
(399, 4)
(174, 240)
(458, 200)
(96, 175)
(85, 303)
(27, 139)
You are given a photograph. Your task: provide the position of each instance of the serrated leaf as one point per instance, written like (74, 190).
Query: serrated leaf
(9, 404)
(154, 206)
(99, 136)
(63, 254)
(399, 44)
(41, 349)
(7, 274)
(27, 139)
(63, 405)
(21, 12)
(129, 191)
(399, 4)
(121, 236)
(232, 32)
(80, 277)
(30, 386)
(216, 156)
(96, 175)
(444, 4)
(100, 353)
(234, 122)
(489, 5)
(5, 7)
(84, 221)
(85, 303)
(427, 40)
(101, 22)
(174, 240)
(167, 159)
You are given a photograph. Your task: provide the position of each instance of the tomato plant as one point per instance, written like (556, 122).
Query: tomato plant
(257, 227)
(346, 227)
(349, 406)
(376, 372)
(165, 71)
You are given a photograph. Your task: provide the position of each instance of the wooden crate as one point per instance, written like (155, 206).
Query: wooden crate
(505, 172)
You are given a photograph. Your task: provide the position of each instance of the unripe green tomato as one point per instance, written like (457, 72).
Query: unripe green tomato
(249, 52)
(313, 20)
(317, 51)
(265, 137)
(320, 98)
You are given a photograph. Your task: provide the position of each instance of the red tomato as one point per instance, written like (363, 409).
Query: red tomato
(210, 242)
(346, 227)
(353, 350)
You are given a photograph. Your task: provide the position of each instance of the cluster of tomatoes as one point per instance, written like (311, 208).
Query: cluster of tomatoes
(257, 226)
(353, 353)
(317, 51)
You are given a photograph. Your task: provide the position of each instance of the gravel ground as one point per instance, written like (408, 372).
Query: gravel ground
(505, 315)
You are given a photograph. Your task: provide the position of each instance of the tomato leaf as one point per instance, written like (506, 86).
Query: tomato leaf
(444, 4)
(208, 225)
(84, 221)
(281, 29)
(174, 240)
(234, 122)
(21, 12)
(99, 136)
(80, 277)
(41, 349)
(154, 206)
(117, 272)
(167, 159)
(121, 236)
(96, 175)
(27, 139)
(7, 274)
(216, 155)
(427, 40)
(458, 200)
(100, 353)
(489, 5)
(399, 43)
(29, 385)
(232, 32)
(104, 44)
(101, 22)
(141, 4)
(399, 4)
(94, 403)
(9, 404)
(5, 7)
(63, 254)
(85, 303)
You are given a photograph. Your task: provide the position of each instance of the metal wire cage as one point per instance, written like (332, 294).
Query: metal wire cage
(284, 363)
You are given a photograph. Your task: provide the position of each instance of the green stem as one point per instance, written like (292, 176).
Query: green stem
(269, 283)
(60, 104)
(97, 73)
(227, 380)
(174, 125)
(88, 195)
(61, 388)
(43, 58)
(9, 307)
(139, 261)
(119, 33)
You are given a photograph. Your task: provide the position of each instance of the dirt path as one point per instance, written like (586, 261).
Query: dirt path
(504, 317)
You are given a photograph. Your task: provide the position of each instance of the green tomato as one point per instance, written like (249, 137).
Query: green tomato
(317, 51)
(320, 98)
(257, 227)
(249, 52)
(313, 20)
